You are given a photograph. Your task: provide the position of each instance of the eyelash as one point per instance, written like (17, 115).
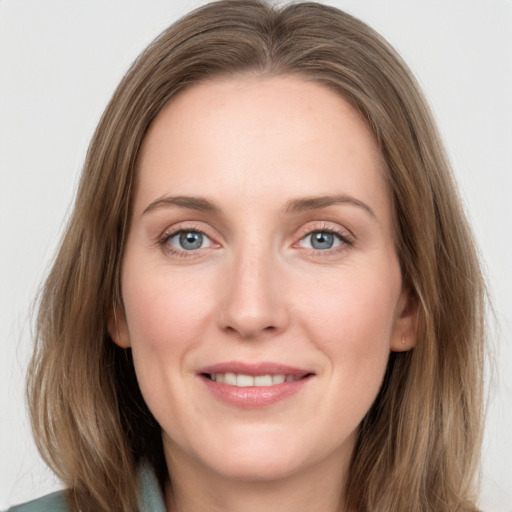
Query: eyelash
(163, 241)
(346, 241)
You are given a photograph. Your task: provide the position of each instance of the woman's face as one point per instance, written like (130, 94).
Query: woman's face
(261, 288)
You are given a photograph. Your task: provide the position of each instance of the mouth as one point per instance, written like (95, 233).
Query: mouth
(242, 380)
(250, 385)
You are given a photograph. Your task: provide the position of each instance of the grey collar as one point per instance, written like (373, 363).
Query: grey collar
(150, 497)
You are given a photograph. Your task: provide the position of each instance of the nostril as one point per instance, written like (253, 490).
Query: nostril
(249, 330)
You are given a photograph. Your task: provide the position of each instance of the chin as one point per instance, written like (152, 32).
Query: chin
(265, 458)
(259, 467)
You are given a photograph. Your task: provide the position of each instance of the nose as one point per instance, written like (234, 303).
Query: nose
(253, 295)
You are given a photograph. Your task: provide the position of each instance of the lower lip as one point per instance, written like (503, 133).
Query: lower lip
(254, 397)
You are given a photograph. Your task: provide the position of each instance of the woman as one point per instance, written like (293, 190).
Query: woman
(267, 296)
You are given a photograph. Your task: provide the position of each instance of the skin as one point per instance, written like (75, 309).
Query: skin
(257, 289)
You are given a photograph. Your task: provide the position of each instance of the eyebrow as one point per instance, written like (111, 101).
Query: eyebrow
(192, 203)
(319, 202)
(295, 205)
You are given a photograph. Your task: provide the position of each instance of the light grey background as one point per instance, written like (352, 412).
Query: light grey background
(60, 62)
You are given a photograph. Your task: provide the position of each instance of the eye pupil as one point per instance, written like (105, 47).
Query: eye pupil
(322, 240)
(190, 240)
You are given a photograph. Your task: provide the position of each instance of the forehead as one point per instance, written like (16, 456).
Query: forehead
(266, 137)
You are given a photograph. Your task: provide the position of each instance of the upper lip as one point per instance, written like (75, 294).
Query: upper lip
(253, 369)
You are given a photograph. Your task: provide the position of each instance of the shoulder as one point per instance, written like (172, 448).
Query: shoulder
(150, 496)
(55, 502)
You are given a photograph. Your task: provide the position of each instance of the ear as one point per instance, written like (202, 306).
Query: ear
(117, 327)
(405, 329)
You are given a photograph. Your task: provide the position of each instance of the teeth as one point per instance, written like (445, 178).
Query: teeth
(241, 380)
(279, 379)
(230, 378)
(263, 380)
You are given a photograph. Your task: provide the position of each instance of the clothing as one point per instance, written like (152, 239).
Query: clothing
(150, 497)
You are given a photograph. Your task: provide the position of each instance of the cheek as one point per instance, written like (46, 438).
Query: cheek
(350, 317)
(166, 318)
(164, 313)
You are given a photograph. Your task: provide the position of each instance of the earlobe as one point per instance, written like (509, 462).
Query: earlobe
(117, 327)
(406, 323)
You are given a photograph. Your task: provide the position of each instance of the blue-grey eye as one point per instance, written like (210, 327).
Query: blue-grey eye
(321, 240)
(189, 240)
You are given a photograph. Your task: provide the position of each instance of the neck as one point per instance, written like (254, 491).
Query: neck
(195, 488)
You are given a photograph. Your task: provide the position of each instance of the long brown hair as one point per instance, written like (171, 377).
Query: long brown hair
(418, 446)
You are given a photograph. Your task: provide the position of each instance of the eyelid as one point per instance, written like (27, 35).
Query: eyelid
(186, 226)
(330, 227)
(345, 236)
(179, 233)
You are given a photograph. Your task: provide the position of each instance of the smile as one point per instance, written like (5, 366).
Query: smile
(253, 385)
(242, 380)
